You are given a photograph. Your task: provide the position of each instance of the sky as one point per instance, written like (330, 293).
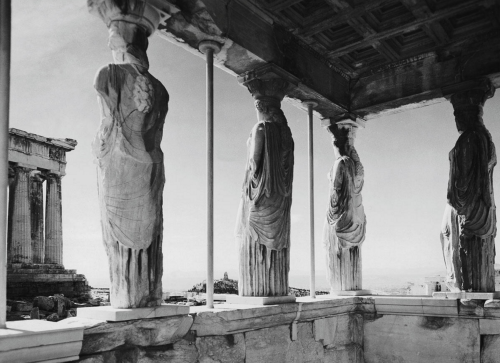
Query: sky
(57, 47)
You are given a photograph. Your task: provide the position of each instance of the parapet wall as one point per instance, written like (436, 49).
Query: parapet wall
(342, 330)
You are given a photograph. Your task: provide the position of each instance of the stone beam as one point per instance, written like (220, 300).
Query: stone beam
(251, 40)
(38, 152)
(426, 79)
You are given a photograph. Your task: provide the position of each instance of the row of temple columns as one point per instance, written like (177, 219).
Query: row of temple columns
(28, 240)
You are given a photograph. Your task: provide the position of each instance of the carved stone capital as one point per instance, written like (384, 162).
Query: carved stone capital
(50, 176)
(37, 176)
(12, 173)
(268, 83)
(137, 12)
(268, 90)
(18, 169)
(468, 104)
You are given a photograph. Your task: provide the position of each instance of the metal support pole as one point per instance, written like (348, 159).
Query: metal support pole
(5, 29)
(312, 281)
(209, 48)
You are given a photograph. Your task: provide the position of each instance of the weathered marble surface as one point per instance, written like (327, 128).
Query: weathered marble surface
(31, 280)
(345, 224)
(275, 345)
(222, 349)
(417, 339)
(469, 223)
(231, 319)
(35, 151)
(37, 230)
(39, 341)
(130, 162)
(110, 313)
(339, 330)
(260, 300)
(19, 219)
(342, 330)
(490, 348)
(53, 221)
(263, 222)
(100, 336)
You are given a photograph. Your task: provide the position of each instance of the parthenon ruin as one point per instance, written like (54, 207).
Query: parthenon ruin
(35, 240)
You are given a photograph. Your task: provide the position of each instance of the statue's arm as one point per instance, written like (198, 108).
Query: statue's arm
(101, 84)
(337, 194)
(463, 179)
(257, 148)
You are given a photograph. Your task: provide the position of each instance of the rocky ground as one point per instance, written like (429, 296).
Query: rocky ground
(50, 308)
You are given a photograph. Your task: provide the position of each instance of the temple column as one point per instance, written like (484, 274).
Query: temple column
(37, 237)
(345, 223)
(469, 223)
(5, 35)
(263, 223)
(19, 237)
(53, 220)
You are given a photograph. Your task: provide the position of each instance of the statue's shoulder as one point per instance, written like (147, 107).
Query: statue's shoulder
(158, 86)
(258, 128)
(102, 77)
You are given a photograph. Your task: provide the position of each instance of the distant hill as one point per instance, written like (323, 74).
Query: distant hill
(224, 286)
(229, 286)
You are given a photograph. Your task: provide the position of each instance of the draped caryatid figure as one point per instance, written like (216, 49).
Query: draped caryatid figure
(263, 225)
(345, 223)
(469, 223)
(130, 162)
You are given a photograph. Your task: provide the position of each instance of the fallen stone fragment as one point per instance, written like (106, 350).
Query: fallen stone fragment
(53, 317)
(44, 303)
(35, 313)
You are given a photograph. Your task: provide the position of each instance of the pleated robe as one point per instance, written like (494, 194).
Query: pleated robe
(345, 226)
(469, 223)
(263, 225)
(130, 182)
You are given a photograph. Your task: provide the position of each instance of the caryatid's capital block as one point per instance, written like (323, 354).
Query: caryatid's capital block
(268, 83)
(345, 125)
(138, 12)
(468, 103)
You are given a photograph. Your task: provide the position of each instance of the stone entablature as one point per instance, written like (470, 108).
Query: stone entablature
(33, 161)
(34, 238)
(39, 152)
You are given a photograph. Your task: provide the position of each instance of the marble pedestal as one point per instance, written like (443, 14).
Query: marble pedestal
(336, 293)
(39, 341)
(259, 300)
(467, 295)
(109, 313)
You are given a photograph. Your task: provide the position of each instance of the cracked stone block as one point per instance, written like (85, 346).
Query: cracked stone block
(221, 349)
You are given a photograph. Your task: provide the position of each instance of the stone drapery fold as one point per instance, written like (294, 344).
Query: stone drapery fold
(265, 210)
(130, 181)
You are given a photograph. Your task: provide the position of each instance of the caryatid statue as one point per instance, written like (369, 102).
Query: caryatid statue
(345, 223)
(469, 223)
(130, 169)
(263, 225)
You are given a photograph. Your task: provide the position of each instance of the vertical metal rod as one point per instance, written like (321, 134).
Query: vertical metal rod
(5, 30)
(210, 177)
(311, 199)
